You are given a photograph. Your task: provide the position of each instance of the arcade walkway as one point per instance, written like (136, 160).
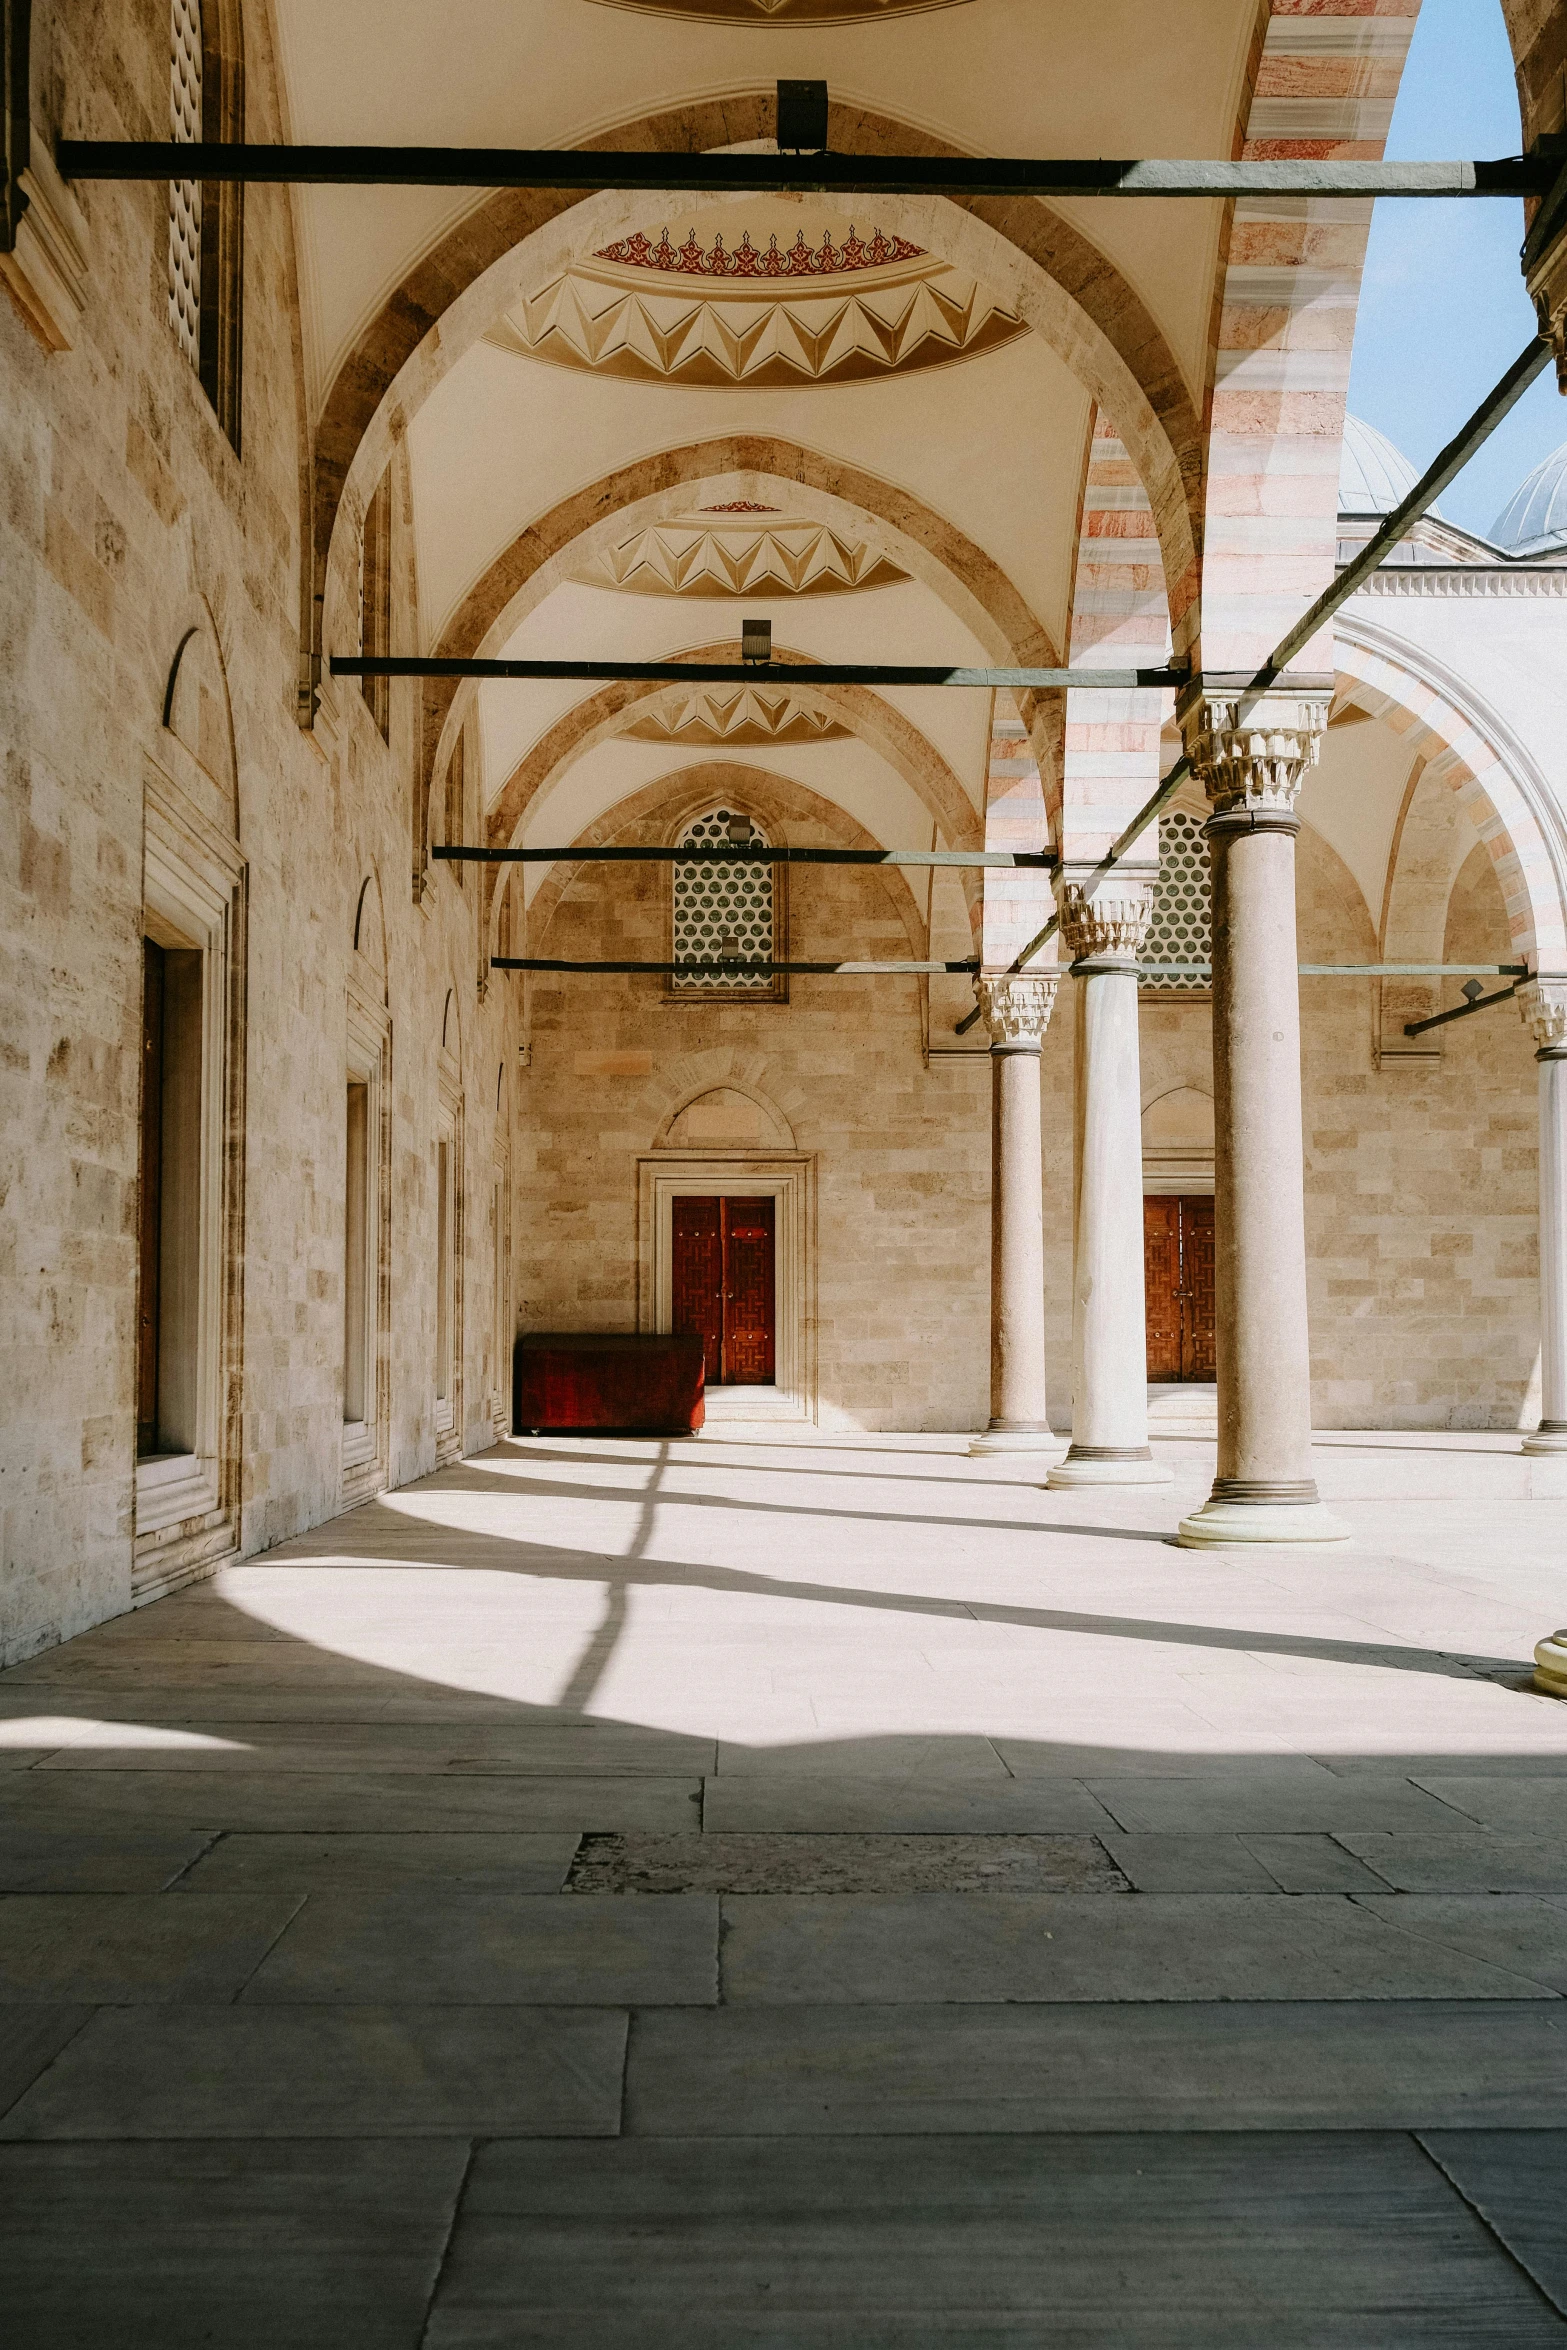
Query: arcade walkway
(784, 1896)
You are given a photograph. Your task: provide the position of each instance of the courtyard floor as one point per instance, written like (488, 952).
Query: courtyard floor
(769, 1893)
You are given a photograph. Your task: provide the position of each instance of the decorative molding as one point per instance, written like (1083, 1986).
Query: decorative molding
(1016, 1011)
(1427, 579)
(1253, 753)
(648, 325)
(734, 720)
(1104, 927)
(744, 260)
(737, 555)
(785, 12)
(1543, 1004)
(45, 265)
(741, 506)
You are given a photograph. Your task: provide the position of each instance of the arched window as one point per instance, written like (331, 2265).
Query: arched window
(1182, 924)
(726, 911)
(375, 619)
(206, 102)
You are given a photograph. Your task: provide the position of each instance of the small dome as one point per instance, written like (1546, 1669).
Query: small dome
(1374, 476)
(1534, 519)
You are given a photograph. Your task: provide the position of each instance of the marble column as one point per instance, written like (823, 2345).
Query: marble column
(1017, 1013)
(1109, 1324)
(1544, 1006)
(1250, 759)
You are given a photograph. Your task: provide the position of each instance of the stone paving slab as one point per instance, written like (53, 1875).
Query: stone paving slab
(927, 1804)
(30, 2039)
(1519, 1931)
(1189, 1864)
(1313, 1864)
(1532, 1805)
(1232, 2236)
(399, 1747)
(964, 1947)
(249, 2072)
(308, 1802)
(1474, 1863)
(843, 1864)
(126, 1948)
(1517, 2181)
(437, 1944)
(885, 2070)
(66, 1860)
(323, 2246)
(1241, 1804)
(893, 1757)
(354, 1864)
(731, 2329)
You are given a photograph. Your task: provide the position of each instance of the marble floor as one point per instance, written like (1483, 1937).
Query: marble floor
(789, 1893)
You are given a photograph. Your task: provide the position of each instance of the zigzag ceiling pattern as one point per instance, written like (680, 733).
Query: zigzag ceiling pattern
(785, 11)
(736, 556)
(747, 716)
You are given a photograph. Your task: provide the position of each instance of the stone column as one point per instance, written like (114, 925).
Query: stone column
(1544, 1006)
(1250, 759)
(1017, 1013)
(1109, 1322)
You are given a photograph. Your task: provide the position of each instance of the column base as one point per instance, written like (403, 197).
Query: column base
(1220, 1522)
(1103, 1465)
(1550, 1665)
(1549, 1437)
(1041, 1437)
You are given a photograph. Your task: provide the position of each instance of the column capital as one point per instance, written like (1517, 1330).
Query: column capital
(1250, 753)
(1545, 276)
(1016, 1010)
(1543, 1003)
(1110, 926)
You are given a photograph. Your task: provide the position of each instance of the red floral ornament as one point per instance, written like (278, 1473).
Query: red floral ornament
(801, 259)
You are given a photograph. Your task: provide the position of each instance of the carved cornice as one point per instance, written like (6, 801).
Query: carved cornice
(1016, 1011)
(1428, 580)
(1104, 928)
(1252, 753)
(1543, 1003)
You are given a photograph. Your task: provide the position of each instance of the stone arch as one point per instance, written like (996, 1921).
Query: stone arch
(370, 928)
(1468, 746)
(718, 1069)
(775, 1130)
(1066, 290)
(932, 549)
(675, 798)
(1537, 35)
(199, 716)
(882, 727)
(451, 1026)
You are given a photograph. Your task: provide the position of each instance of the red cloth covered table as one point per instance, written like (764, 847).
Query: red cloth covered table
(581, 1380)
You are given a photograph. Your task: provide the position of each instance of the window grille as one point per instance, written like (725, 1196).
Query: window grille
(1182, 925)
(723, 909)
(185, 124)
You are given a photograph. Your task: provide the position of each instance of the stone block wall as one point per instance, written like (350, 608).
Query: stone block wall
(126, 521)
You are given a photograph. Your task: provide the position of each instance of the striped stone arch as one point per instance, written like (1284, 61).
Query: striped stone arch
(1467, 746)
(1320, 86)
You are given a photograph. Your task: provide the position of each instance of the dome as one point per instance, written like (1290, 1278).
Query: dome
(1534, 519)
(1374, 476)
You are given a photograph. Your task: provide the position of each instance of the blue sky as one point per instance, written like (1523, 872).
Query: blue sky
(1443, 309)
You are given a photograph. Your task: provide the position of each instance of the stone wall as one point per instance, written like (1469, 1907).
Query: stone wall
(127, 520)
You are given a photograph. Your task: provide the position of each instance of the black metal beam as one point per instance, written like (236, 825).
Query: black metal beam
(1481, 1003)
(732, 969)
(799, 674)
(751, 853)
(661, 170)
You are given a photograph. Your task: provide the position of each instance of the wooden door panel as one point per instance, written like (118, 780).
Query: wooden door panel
(1162, 1284)
(749, 1281)
(697, 1277)
(1198, 1358)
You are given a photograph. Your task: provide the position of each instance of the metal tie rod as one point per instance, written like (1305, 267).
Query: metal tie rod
(660, 170)
(725, 968)
(796, 674)
(1498, 403)
(744, 853)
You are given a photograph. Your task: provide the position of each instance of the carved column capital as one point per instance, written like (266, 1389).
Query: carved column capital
(1016, 1011)
(1545, 276)
(1108, 927)
(1543, 1003)
(1250, 754)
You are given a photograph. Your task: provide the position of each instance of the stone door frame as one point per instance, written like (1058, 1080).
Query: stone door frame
(791, 1182)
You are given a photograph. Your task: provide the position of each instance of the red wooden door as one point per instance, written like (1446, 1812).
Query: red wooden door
(724, 1285)
(1178, 1283)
